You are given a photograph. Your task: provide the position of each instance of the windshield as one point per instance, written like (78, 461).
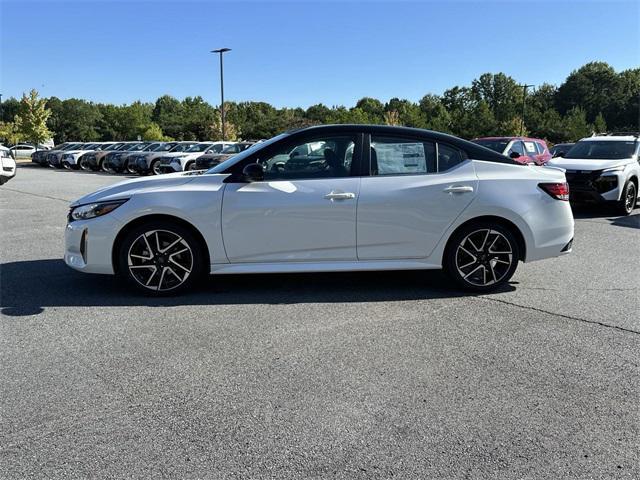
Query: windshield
(221, 167)
(231, 149)
(165, 147)
(136, 147)
(152, 147)
(113, 146)
(497, 145)
(602, 150)
(181, 147)
(200, 147)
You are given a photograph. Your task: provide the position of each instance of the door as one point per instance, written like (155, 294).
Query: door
(304, 210)
(416, 190)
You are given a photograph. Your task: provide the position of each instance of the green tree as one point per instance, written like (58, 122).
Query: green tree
(10, 133)
(31, 121)
(73, 120)
(576, 125)
(10, 107)
(154, 133)
(168, 113)
(599, 124)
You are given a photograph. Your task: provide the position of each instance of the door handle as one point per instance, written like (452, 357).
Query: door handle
(459, 189)
(333, 195)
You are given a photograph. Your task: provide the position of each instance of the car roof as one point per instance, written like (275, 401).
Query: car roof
(476, 151)
(527, 139)
(612, 138)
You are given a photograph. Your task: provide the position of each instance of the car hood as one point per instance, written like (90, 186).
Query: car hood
(78, 152)
(585, 164)
(137, 185)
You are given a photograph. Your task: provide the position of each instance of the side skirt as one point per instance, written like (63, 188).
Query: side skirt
(292, 267)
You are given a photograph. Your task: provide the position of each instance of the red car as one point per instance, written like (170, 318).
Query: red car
(521, 149)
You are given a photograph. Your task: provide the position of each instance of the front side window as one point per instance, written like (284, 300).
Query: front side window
(518, 148)
(319, 158)
(401, 156)
(215, 148)
(497, 145)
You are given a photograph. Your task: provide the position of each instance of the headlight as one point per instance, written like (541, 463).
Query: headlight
(614, 169)
(92, 210)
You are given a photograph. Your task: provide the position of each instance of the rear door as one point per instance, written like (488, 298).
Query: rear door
(415, 191)
(304, 210)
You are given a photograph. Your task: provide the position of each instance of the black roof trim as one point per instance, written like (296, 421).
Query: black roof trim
(474, 151)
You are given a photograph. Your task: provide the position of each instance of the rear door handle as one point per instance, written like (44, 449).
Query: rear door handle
(459, 189)
(333, 195)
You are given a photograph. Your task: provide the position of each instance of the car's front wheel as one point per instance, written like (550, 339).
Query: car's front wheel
(161, 258)
(628, 200)
(482, 256)
(154, 168)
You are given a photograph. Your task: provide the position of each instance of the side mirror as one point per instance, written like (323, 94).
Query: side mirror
(253, 172)
(514, 155)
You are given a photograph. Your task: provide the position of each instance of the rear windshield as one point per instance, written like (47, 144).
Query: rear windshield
(493, 144)
(602, 150)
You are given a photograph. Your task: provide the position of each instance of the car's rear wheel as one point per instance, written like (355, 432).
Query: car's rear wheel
(482, 256)
(161, 258)
(628, 200)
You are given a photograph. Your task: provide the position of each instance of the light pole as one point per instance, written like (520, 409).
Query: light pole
(222, 51)
(1, 115)
(524, 99)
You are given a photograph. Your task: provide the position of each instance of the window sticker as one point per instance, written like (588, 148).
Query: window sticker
(400, 158)
(531, 148)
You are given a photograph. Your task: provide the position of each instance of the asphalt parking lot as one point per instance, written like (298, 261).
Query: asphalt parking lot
(369, 375)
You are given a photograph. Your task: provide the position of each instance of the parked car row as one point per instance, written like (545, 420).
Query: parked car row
(138, 157)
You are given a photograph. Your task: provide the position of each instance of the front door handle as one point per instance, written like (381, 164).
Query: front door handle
(459, 189)
(333, 195)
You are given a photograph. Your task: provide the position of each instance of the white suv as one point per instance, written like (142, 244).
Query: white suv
(7, 165)
(603, 168)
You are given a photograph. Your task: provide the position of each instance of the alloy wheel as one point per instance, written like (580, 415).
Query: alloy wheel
(156, 168)
(484, 257)
(160, 260)
(630, 199)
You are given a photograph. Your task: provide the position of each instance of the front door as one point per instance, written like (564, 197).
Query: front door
(303, 211)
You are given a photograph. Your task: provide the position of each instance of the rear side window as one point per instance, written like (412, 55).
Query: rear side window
(449, 157)
(530, 148)
(401, 156)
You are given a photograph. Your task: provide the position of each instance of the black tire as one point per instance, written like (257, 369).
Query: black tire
(66, 165)
(189, 166)
(480, 257)
(628, 199)
(153, 168)
(131, 169)
(162, 267)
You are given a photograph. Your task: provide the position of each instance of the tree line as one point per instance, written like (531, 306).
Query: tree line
(593, 98)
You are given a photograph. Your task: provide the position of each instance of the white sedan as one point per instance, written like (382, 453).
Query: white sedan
(328, 198)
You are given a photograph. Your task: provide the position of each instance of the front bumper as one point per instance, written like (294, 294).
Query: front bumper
(172, 167)
(89, 243)
(594, 186)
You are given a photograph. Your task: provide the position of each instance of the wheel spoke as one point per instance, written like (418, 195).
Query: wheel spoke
(161, 278)
(155, 270)
(472, 272)
(181, 266)
(170, 246)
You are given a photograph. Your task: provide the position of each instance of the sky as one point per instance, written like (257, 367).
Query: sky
(301, 53)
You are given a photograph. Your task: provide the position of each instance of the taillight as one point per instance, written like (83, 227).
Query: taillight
(559, 191)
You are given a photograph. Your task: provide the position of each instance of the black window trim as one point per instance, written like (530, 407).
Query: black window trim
(235, 171)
